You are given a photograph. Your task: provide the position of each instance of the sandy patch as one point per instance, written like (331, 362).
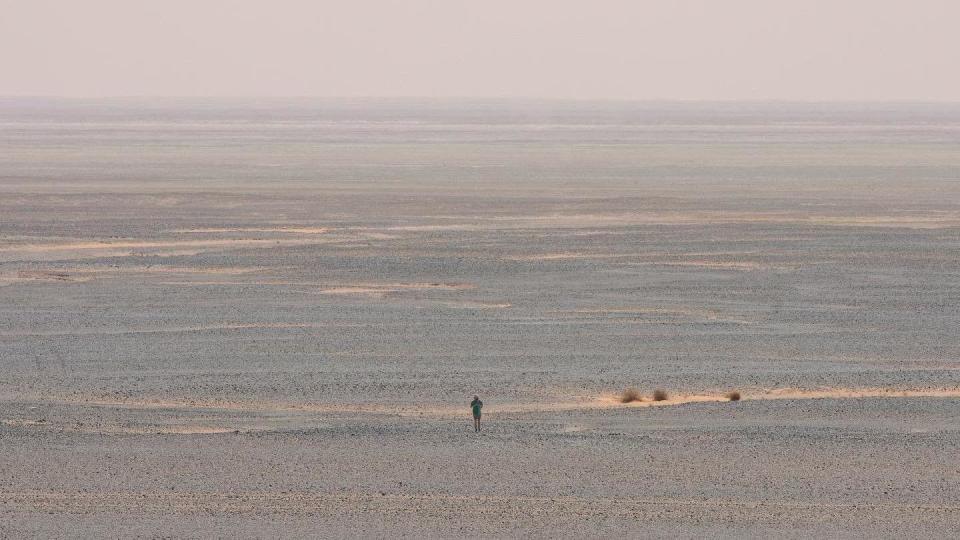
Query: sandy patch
(285, 230)
(694, 315)
(143, 429)
(573, 256)
(855, 393)
(604, 401)
(257, 283)
(434, 228)
(84, 274)
(468, 304)
(370, 292)
(227, 271)
(612, 400)
(142, 244)
(909, 222)
(721, 265)
(45, 276)
(163, 430)
(158, 330)
(108, 248)
(561, 221)
(379, 290)
(567, 256)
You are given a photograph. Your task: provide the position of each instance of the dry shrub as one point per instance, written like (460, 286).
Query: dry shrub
(659, 395)
(630, 395)
(733, 395)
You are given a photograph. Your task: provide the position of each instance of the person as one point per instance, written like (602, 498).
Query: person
(476, 405)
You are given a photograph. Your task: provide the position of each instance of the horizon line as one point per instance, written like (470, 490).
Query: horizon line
(251, 97)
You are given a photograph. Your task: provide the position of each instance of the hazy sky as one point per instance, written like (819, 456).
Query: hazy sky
(632, 49)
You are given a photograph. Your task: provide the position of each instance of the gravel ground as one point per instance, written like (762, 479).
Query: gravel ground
(219, 323)
(757, 468)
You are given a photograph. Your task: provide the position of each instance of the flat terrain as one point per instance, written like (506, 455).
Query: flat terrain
(268, 319)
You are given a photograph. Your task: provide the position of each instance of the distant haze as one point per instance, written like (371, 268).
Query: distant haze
(859, 50)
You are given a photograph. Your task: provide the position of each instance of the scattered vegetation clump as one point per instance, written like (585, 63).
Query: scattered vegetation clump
(630, 395)
(733, 395)
(659, 395)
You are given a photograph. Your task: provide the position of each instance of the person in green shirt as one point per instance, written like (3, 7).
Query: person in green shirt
(476, 405)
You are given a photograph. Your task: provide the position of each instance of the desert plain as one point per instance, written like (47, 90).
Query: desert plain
(268, 318)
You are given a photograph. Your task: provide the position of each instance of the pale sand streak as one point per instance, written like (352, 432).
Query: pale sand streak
(149, 244)
(381, 290)
(78, 274)
(606, 401)
(169, 429)
(95, 249)
(947, 220)
(722, 265)
(287, 230)
(701, 315)
(167, 330)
